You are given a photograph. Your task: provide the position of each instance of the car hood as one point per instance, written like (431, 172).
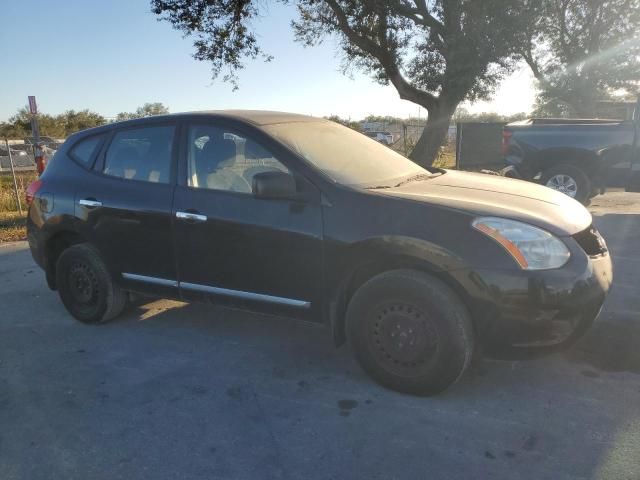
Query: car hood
(491, 195)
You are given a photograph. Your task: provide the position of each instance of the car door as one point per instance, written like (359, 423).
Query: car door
(263, 254)
(126, 206)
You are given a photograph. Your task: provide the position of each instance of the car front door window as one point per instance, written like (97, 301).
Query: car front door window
(219, 159)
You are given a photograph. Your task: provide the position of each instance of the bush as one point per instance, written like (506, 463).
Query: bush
(7, 195)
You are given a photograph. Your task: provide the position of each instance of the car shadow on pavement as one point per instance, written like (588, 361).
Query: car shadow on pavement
(611, 345)
(287, 347)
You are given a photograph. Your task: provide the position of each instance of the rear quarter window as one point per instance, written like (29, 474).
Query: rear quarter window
(83, 151)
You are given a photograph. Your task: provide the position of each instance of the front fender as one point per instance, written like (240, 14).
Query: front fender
(374, 249)
(364, 259)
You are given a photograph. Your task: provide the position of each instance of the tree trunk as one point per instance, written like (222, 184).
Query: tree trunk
(433, 136)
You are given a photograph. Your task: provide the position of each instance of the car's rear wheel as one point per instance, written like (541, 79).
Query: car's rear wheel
(86, 287)
(569, 180)
(410, 332)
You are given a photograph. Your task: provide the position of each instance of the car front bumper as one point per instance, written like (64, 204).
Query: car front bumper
(529, 309)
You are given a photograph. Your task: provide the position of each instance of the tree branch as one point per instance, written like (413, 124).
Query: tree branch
(430, 20)
(533, 64)
(385, 57)
(420, 16)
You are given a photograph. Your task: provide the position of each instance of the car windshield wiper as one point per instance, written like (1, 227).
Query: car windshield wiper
(415, 178)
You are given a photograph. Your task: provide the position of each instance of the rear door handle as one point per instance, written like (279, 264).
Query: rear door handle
(194, 217)
(86, 202)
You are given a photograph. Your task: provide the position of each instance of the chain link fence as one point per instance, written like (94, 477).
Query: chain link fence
(405, 135)
(22, 153)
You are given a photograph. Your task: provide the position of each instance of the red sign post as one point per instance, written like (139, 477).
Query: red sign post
(38, 151)
(33, 107)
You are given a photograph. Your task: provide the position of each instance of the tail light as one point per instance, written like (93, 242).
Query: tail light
(32, 189)
(506, 138)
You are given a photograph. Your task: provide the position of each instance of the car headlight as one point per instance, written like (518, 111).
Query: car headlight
(531, 247)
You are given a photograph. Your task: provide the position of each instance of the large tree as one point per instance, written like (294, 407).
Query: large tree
(436, 53)
(76, 120)
(582, 51)
(56, 126)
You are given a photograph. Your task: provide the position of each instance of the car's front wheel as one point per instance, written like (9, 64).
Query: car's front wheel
(86, 287)
(410, 332)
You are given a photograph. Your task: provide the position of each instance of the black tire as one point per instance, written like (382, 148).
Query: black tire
(583, 192)
(410, 332)
(86, 287)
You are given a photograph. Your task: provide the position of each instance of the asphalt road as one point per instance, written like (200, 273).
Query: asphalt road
(193, 391)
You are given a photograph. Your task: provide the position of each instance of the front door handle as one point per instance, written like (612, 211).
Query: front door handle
(87, 202)
(194, 217)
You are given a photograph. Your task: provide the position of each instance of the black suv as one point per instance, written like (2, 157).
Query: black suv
(300, 216)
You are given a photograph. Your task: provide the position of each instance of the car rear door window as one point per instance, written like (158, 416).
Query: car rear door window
(141, 154)
(220, 159)
(84, 150)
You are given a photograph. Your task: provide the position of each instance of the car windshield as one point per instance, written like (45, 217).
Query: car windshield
(344, 155)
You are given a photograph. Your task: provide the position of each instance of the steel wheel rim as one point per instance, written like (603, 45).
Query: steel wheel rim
(403, 339)
(83, 284)
(563, 183)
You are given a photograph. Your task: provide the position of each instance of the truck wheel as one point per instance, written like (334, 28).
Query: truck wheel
(86, 287)
(569, 180)
(410, 332)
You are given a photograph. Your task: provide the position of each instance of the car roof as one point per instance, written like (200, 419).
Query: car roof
(260, 117)
(256, 117)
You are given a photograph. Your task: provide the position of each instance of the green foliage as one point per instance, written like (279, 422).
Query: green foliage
(387, 119)
(74, 121)
(71, 121)
(346, 122)
(582, 51)
(435, 53)
(147, 110)
(463, 115)
(56, 126)
(221, 30)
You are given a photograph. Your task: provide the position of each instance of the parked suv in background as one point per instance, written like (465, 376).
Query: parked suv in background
(300, 216)
(577, 157)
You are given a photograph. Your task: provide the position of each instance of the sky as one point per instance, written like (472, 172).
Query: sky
(113, 56)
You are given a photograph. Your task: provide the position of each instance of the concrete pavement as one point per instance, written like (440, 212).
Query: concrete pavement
(173, 391)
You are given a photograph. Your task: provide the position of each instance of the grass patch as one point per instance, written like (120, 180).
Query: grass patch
(12, 223)
(7, 195)
(446, 157)
(12, 226)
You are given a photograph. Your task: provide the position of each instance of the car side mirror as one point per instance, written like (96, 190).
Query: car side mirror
(274, 185)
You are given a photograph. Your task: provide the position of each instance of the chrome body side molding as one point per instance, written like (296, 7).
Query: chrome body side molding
(259, 297)
(143, 278)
